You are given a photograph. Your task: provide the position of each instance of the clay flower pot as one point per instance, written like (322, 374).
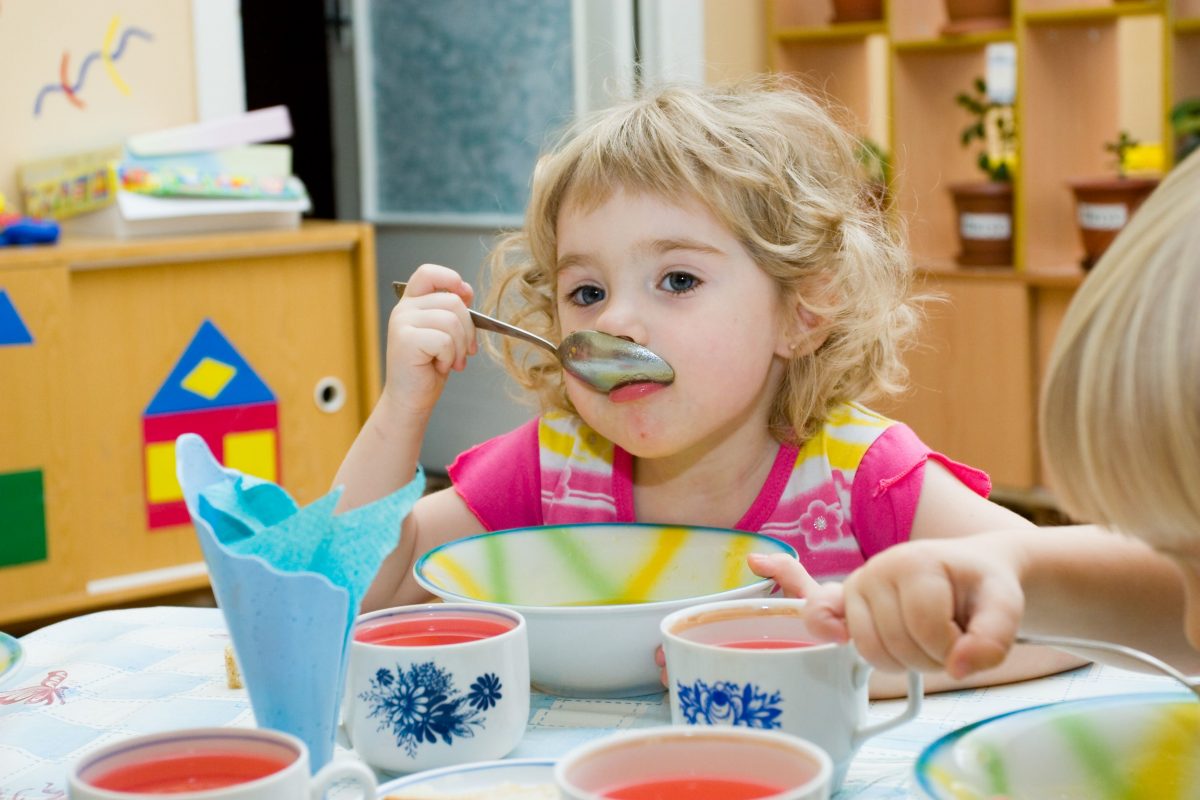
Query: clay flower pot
(971, 16)
(857, 11)
(1103, 206)
(985, 223)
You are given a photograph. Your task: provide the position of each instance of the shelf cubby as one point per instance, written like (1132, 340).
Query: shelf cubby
(1086, 70)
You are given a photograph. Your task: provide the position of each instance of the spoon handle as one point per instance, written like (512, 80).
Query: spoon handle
(484, 322)
(1071, 643)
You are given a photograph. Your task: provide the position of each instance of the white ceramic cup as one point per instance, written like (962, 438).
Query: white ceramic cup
(412, 703)
(815, 691)
(267, 765)
(778, 765)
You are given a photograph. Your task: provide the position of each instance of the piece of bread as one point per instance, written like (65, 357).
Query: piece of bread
(233, 677)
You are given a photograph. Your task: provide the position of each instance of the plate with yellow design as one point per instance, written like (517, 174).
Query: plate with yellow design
(11, 656)
(1121, 747)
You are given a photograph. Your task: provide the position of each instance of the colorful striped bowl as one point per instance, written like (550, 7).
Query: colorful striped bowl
(1119, 747)
(593, 595)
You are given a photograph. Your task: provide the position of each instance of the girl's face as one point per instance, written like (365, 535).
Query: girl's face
(671, 277)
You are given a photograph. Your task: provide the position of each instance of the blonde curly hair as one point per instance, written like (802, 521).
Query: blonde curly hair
(772, 165)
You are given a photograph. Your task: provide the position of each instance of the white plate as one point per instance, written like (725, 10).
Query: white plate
(480, 775)
(1143, 746)
(11, 656)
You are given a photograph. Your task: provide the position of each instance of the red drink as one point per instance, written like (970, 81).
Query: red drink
(768, 644)
(431, 630)
(190, 772)
(692, 788)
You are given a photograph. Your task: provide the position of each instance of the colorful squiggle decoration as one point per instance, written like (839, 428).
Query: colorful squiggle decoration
(106, 54)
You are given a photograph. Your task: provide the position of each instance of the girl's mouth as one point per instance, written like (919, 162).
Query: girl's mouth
(629, 392)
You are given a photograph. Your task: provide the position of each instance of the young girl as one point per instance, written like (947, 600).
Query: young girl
(731, 232)
(1120, 427)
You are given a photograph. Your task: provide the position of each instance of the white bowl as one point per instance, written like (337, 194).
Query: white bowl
(593, 595)
(511, 777)
(1129, 746)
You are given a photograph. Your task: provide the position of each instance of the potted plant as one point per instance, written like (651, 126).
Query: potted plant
(1104, 205)
(985, 208)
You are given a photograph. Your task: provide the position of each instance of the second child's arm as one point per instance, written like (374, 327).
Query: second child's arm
(958, 603)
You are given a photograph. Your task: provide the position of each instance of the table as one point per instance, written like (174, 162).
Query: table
(109, 675)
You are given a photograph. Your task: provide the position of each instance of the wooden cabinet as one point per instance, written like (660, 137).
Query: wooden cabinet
(115, 333)
(1086, 69)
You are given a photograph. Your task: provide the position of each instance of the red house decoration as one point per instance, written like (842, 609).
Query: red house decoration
(214, 393)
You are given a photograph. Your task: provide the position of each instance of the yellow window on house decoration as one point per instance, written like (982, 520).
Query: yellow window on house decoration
(252, 452)
(209, 378)
(161, 484)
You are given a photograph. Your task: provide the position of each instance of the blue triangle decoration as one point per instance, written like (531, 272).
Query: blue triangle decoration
(12, 327)
(245, 387)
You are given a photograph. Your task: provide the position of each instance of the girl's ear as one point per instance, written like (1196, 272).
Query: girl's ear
(802, 332)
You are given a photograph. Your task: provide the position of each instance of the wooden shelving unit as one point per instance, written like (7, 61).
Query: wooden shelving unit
(1086, 69)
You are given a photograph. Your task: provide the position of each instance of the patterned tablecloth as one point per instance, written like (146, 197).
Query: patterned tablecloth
(102, 677)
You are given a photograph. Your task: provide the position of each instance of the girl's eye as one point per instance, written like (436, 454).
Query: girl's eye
(680, 282)
(586, 295)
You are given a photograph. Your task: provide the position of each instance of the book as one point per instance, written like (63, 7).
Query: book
(135, 216)
(257, 171)
(252, 127)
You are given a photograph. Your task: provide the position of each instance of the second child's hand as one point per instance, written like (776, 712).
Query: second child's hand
(825, 612)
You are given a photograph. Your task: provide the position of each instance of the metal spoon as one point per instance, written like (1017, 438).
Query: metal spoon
(1070, 643)
(600, 360)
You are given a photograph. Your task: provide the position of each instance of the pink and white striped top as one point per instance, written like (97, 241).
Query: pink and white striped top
(849, 492)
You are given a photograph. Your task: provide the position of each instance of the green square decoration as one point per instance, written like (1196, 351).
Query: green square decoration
(22, 518)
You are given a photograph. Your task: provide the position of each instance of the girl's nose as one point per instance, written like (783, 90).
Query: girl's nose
(623, 319)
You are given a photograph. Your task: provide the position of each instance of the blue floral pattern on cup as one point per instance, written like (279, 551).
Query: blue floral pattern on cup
(728, 703)
(421, 704)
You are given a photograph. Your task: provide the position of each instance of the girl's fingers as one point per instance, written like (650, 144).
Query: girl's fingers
(436, 287)
(791, 576)
(431, 278)
(433, 346)
(452, 322)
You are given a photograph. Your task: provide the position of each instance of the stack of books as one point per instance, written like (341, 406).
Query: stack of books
(212, 176)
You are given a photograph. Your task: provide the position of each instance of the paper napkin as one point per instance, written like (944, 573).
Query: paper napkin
(289, 581)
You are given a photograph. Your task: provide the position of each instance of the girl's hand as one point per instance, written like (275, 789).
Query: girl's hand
(430, 333)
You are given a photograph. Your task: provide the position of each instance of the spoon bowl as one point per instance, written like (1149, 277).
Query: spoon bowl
(602, 361)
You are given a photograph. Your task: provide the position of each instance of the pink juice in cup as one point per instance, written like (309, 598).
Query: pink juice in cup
(210, 764)
(431, 629)
(692, 788)
(188, 772)
(771, 643)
